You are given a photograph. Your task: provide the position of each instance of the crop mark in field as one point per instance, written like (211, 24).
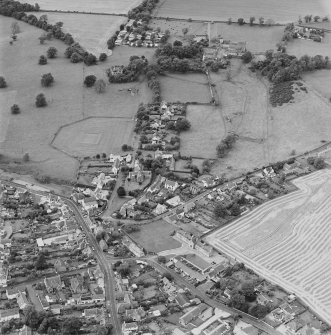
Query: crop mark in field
(287, 240)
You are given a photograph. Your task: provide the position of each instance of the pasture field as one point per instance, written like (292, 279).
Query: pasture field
(301, 47)
(281, 11)
(94, 135)
(287, 241)
(320, 81)
(96, 6)
(83, 28)
(156, 236)
(300, 126)
(68, 100)
(207, 129)
(191, 87)
(244, 107)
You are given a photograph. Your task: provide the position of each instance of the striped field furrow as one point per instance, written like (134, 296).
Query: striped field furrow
(288, 241)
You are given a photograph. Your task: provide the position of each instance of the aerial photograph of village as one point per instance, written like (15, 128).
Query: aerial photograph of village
(165, 167)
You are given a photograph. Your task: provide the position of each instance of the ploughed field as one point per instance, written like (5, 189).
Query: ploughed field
(278, 10)
(95, 6)
(288, 240)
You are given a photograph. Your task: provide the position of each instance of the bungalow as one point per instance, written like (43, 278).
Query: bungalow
(22, 300)
(171, 185)
(89, 203)
(227, 293)
(53, 283)
(182, 300)
(9, 314)
(128, 328)
(135, 314)
(189, 206)
(56, 309)
(93, 313)
(160, 209)
(116, 166)
(12, 293)
(25, 331)
(175, 201)
(194, 189)
(192, 314)
(269, 172)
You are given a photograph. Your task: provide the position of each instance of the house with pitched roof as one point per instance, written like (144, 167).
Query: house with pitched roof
(53, 283)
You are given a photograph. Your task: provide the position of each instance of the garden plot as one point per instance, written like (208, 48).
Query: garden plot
(288, 240)
(95, 6)
(83, 28)
(212, 10)
(93, 136)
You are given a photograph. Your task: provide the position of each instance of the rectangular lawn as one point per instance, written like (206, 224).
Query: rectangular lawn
(156, 236)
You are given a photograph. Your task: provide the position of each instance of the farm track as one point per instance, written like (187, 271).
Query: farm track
(297, 254)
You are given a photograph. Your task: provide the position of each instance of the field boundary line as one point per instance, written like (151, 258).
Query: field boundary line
(79, 12)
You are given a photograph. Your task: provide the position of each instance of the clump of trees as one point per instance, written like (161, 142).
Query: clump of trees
(51, 52)
(15, 109)
(143, 11)
(279, 67)
(131, 72)
(247, 57)
(47, 80)
(41, 100)
(42, 60)
(90, 80)
(317, 162)
(3, 83)
(226, 145)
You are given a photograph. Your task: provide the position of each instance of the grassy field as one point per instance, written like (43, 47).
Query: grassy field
(190, 87)
(278, 10)
(287, 241)
(96, 6)
(300, 47)
(94, 135)
(207, 129)
(156, 236)
(68, 100)
(320, 81)
(244, 105)
(83, 28)
(300, 126)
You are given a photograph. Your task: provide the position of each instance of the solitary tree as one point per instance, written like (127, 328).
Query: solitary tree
(241, 21)
(51, 52)
(247, 57)
(47, 80)
(90, 59)
(229, 20)
(102, 57)
(75, 58)
(15, 28)
(261, 21)
(251, 20)
(121, 191)
(3, 83)
(316, 18)
(100, 86)
(26, 157)
(42, 60)
(15, 109)
(41, 100)
(185, 31)
(90, 80)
